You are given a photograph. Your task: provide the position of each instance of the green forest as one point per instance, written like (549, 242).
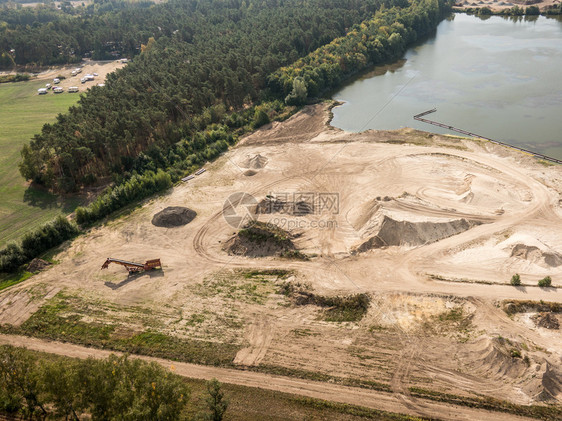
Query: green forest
(219, 61)
(38, 386)
(215, 70)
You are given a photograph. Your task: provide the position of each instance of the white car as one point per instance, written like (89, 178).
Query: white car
(58, 90)
(73, 89)
(42, 91)
(48, 86)
(56, 80)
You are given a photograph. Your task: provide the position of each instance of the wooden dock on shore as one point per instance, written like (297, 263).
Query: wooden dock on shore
(446, 126)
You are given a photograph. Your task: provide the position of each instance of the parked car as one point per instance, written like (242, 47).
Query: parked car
(42, 91)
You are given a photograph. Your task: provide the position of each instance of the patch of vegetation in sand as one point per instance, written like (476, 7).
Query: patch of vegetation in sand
(541, 412)
(455, 321)
(241, 286)
(322, 377)
(339, 308)
(258, 239)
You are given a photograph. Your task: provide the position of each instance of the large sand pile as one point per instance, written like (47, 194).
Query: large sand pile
(406, 233)
(551, 381)
(255, 162)
(492, 358)
(173, 216)
(536, 255)
(508, 361)
(526, 247)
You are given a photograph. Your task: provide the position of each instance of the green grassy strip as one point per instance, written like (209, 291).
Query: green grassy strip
(546, 413)
(321, 377)
(49, 323)
(8, 280)
(359, 411)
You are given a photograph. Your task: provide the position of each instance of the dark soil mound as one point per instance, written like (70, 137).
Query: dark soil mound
(37, 265)
(249, 173)
(173, 216)
(547, 320)
(260, 240)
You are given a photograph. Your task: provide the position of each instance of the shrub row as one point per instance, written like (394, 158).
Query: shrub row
(136, 188)
(36, 242)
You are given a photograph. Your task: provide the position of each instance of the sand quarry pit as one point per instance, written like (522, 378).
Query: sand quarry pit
(458, 218)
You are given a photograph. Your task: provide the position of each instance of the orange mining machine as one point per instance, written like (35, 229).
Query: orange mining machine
(133, 267)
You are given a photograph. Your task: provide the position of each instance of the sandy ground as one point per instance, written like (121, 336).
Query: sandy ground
(102, 68)
(406, 188)
(498, 5)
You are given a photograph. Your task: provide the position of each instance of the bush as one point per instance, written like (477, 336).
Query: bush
(260, 119)
(136, 188)
(545, 282)
(11, 258)
(516, 280)
(515, 353)
(532, 10)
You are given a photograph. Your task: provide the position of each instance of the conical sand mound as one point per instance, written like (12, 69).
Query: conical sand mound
(254, 162)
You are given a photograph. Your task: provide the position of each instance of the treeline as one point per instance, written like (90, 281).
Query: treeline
(552, 10)
(116, 388)
(380, 39)
(136, 188)
(45, 35)
(106, 29)
(36, 242)
(216, 62)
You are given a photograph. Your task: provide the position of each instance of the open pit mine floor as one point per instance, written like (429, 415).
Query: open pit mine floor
(379, 274)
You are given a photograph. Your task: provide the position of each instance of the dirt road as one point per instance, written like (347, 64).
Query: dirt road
(330, 392)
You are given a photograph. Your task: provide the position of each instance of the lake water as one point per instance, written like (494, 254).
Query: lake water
(500, 78)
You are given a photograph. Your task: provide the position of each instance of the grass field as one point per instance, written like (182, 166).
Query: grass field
(22, 114)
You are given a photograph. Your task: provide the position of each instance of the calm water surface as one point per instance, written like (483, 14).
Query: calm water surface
(497, 77)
